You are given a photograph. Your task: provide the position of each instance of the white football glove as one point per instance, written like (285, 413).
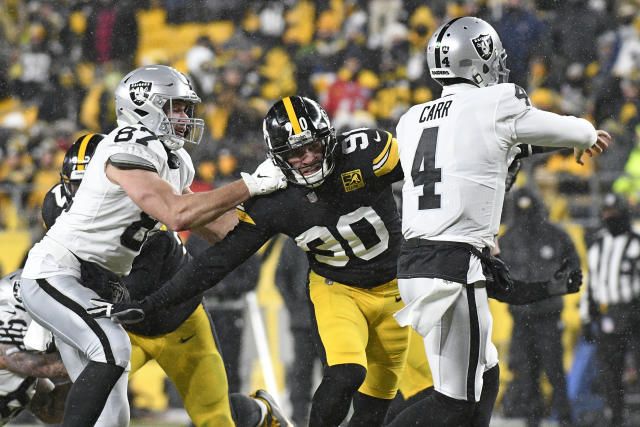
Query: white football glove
(266, 179)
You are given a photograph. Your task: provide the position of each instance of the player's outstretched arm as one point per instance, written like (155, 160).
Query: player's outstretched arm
(564, 281)
(27, 363)
(546, 129)
(195, 277)
(179, 212)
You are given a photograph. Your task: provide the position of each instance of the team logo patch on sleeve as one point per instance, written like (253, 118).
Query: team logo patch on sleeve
(352, 180)
(139, 92)
(484, 45)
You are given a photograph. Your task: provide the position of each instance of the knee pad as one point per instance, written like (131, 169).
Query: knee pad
(348, 376)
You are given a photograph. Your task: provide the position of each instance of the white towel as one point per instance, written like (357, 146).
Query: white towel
(425, 310)
(37, 337)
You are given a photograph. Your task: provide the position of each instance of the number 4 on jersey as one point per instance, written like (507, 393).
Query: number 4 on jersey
(424, 171)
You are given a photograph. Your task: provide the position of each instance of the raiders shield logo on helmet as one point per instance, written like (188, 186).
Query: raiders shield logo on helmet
(139, 92)
(16, 291)
(484, 45)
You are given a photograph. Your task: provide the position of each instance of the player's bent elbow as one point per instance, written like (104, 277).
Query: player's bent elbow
(178, 223)
(181, 219)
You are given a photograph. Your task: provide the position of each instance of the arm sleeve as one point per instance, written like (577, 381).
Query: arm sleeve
(537, 127)
(522, 293)
(208, 268)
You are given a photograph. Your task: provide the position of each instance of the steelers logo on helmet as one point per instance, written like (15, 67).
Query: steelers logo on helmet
(139, 92)
(16, 291)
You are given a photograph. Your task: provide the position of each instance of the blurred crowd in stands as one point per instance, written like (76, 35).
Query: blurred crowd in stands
(362, 59)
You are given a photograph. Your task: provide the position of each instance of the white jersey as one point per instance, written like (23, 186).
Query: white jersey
(104, 225)
(16, 390)
(455, 153)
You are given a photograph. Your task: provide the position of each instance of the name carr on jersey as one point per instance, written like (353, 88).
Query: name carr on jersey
(435, 111)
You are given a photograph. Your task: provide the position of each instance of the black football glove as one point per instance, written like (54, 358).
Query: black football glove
(565, 281)
(574, 281)
(118, 312)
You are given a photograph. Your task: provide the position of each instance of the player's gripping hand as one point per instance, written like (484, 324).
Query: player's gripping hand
(266, 179)
(565, 281)
(118, 312)
(602, 143)
(574, 281)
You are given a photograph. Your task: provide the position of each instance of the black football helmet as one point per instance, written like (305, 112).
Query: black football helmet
(295, 122)
(75, 161)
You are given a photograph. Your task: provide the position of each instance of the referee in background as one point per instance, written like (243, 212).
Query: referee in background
(610, 305)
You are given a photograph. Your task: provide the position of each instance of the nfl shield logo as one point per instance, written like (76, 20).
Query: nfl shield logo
(139, 92)
(484, 45)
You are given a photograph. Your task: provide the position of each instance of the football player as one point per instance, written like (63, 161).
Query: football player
(182, 340)
(26, 376)
(138, 179)
(339, 208)
(455, 152)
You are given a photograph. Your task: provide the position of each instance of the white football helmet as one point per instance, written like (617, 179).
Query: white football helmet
(147, 93)
(467, 48)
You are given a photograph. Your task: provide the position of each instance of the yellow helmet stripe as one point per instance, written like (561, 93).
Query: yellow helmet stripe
(292, 115)
(82, 151)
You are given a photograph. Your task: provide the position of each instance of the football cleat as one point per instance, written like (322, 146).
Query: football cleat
(275, 417)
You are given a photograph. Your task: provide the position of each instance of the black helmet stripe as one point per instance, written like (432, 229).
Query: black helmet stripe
(82, 150)
(439, 39)
(293, 118)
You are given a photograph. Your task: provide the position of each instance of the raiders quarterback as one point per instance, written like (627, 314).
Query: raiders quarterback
(339, 208)
(26, 374)
(138, 179)
(454, 153)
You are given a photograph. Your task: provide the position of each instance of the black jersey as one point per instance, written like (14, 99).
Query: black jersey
(349, 226)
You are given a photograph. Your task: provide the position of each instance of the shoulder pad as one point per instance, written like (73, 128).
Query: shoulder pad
(514, 101)
(131, 161)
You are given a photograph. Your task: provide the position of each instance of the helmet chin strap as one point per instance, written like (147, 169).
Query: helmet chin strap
(171, 143)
